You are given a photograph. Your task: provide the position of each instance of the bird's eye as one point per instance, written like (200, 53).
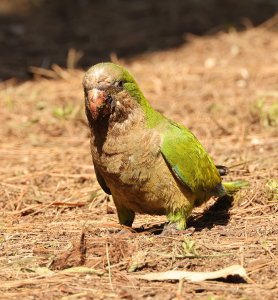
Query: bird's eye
(119, 83)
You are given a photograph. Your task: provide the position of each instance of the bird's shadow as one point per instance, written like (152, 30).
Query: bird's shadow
(216, 214)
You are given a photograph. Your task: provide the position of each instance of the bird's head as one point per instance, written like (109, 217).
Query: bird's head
(109, 88)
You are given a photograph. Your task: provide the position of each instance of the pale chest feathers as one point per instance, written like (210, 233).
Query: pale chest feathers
(129, 152)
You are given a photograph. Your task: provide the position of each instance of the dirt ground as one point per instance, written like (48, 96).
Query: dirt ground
(59, 234)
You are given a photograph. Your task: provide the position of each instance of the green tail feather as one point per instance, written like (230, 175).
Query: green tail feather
(232, 187)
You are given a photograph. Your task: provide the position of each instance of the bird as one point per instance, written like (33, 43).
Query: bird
(146, 161)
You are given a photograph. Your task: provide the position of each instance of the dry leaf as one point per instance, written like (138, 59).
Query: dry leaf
(82, 270)
(44, 271)
(195, 276)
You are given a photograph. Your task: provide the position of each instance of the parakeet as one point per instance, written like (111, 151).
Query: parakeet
(147, 162)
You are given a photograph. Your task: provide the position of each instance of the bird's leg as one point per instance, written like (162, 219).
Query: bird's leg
(125, 215)
(177, 220)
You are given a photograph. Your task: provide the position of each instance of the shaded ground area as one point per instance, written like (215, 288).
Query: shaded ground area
(54, 217)
(42, 32)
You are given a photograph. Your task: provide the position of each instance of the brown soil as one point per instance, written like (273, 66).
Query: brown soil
(59, 234)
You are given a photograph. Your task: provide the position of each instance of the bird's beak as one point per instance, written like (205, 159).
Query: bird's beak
(96, 100)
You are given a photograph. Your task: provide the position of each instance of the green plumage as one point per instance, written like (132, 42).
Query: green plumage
(148, 163)
(194, 167)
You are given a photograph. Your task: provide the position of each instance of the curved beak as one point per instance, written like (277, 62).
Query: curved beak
(96, 99)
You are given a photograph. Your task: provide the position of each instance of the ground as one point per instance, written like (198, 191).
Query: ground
(59, 232)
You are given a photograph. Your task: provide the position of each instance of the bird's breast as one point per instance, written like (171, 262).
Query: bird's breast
(128, 157)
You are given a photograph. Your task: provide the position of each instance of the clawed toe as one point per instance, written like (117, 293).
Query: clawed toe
(171, 229)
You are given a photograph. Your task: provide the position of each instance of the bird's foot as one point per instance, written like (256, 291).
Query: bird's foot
(171, 229)
(125, 231)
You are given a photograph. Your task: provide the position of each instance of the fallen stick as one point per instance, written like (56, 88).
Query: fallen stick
(234, 270)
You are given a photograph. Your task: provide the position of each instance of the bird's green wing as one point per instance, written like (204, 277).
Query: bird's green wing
(189, 161)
